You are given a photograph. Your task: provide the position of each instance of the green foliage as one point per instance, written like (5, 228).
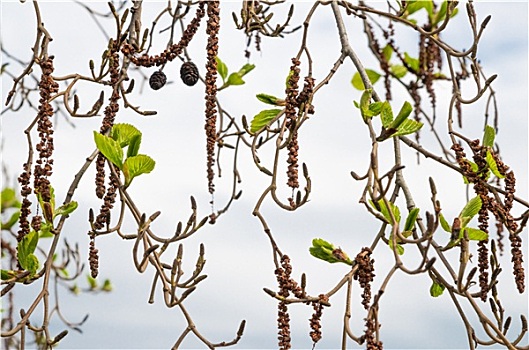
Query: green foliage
(411, 219)
(271, 100)
(436, 289)
(493, 166)
(357, 79)
(110, 148)
(25, 249)
(326, 251)
(234, 78)
(471, 208)
(444, 224)
(125, 135)
(387, 52)
(263, 118)
(475, 234)
(398, 70)
(413, 63)
(65, 209)
(386, 114)
(137, 165)
(9, 199)
(383, 209)
(488, 136)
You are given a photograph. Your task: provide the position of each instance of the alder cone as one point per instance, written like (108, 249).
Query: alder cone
(157, 80)
(189, 73)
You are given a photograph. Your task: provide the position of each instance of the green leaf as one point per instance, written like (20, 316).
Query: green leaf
(385, 212)
(387, 52)
(247, 68)
(45, 230)
(235, 79)
(110, 149)
(400, 249)
(436, 289)
(263, 118)
(357, 79)
(124, 133)
(413, 63)
(474, 168)
(137, 165)
(409, 126)
(410, 220)
(66, 209)
(488, 136)
(222, 69)
(9, 199)
(25, 248)
(444, 224)
(476, 235)
(326, 251)
(271, 100)
(375, 108)
(290, 73)
(471, 208)
(440, 16)
(398, 70)
(416, 5)
(365, 100)
(31, 264)
(493, 166)
(8, 274)
(11, 222)
(134, 146)
(404, 113)
(386, 114)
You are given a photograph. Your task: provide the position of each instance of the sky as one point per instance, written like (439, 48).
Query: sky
(332, 143)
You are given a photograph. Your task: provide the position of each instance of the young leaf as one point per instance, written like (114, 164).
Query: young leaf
(400, 249)
(263, 118)
(66, 209)
(137, 165)
(134, 146)
(474, 168)
(110, 149)
(386, 114)
(385, 212)
(45, 231)
(107, 286)
(11, 222)
(357, 79)
(235, 79)
(404, 113)
(31, 264)
(8, 274)
(247, 68)
(9, 199)
(271, 100)
(410, 220)
(476, 235)
(413, 63)
(436, 289)
(387, 52)
(375, 108)
(488, 136)
(124, 133)
(398, 70)
(444, 224)
(222, 69)
(409, 126)
(92, 282)
(326, 251)
(25, 249)
(471, 208)
(493, 166)
(365, 99)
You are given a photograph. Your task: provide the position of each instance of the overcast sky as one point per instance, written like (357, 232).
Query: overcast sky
(332, 143)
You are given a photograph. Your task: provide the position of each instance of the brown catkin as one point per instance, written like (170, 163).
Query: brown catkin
(365, 274)
(212, 49)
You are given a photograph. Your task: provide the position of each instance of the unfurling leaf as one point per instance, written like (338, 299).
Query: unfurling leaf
(235, 79)
(471, 208)
(326, 251)
(444, 224)
(263, 118)
(365, 101)
(386, 114)
(436, 289)
(357, 79)
(493, 166)
(25, 249)
(409, 126)
(222, 69)
(476, 235)
(404, 113)
(271, 100)
(382, 208)
(110, 148)
(124, 133)
(488, 136)
(410, 220)
(387, 52)
(66, 209)
(398, 70)
(137, 165)
(413, 63)
(247, 68)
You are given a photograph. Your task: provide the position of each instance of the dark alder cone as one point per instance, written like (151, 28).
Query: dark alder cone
(189, 73)
(157, 80)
